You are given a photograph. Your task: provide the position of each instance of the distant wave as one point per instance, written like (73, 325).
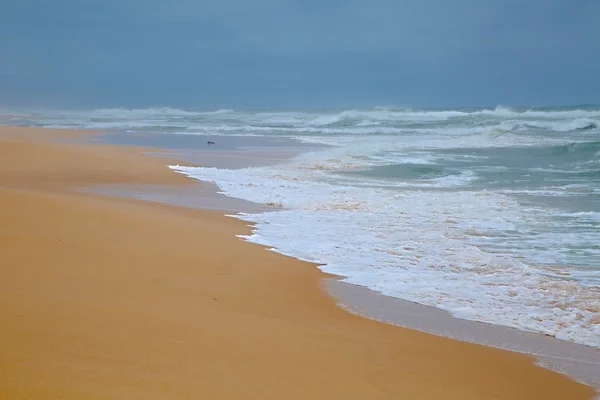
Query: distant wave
(153, 112)
(501, 111)
(354, 115)
(380, 121)
(584, 149)
(588, 127)
(579, 124)
(417, 115)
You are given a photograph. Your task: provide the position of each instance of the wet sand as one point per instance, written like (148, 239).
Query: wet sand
(106, 298)
(578, 361)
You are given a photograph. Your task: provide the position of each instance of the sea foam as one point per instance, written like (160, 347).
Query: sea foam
(415, 245)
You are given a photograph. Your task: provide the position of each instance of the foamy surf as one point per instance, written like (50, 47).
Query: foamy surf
(418, 245)
(491, 214)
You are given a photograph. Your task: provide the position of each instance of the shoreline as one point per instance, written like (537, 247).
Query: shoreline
(279, 335)
(577, 361)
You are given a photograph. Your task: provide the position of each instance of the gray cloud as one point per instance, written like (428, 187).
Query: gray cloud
(283, 52)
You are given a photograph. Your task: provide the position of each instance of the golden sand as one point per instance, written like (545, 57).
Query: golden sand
(105, 298)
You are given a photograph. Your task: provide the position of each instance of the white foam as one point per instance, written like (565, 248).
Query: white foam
(413, 245)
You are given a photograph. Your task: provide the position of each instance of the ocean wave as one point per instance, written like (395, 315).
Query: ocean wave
(297, 130)
(571, 119)
(500, 112)
(126, 113)
(416, 115)
(586, 215)
(160, 112)
(494, 122)
(583, 149)
(579, 124)
(508, 112)
(416, 245)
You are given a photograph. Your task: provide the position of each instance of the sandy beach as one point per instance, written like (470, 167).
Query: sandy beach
(105, 298)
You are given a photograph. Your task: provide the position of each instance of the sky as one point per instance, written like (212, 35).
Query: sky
(301, 53)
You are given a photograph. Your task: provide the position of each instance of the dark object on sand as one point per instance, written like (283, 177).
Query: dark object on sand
(209, 142)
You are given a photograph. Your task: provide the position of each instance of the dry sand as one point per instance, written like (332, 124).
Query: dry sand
(104, 298)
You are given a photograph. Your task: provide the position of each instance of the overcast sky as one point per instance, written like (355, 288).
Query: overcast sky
(302, 53)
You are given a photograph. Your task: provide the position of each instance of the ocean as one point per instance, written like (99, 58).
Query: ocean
(490, 214)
